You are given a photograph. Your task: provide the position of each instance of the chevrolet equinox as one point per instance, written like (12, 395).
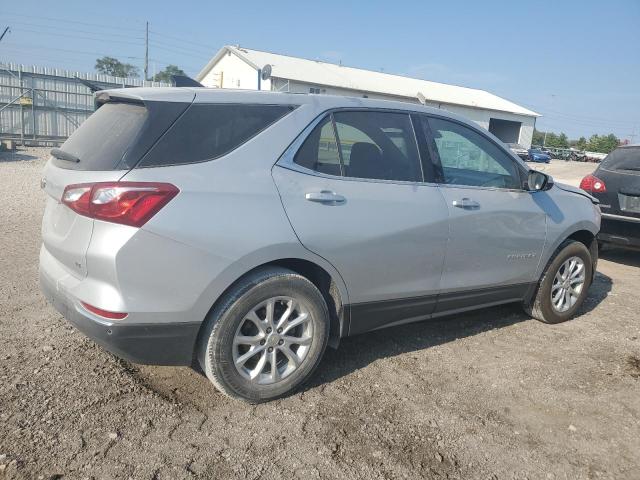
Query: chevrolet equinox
(246, 231)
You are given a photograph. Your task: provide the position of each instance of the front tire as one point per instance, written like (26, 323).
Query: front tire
(265, 337)
(564, 284)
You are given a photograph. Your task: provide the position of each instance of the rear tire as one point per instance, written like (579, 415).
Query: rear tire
(265, 337)
(564, 284)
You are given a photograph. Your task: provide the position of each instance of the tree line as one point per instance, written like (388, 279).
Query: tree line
(114, 67)
(595, 143)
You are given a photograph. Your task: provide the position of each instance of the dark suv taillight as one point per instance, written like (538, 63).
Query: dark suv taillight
(593, 184)
(128, 203)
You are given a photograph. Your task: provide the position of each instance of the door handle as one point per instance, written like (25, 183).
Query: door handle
(466, 203)
(326, 197)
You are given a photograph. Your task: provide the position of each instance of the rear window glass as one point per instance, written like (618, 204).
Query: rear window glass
(207, 131)
(627, 158)
(103, 139)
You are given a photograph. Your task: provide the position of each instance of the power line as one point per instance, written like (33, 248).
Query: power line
(79, 37)
(58, 20)
(191, 45)
(578, 118)
(176, 51)
(67, 29)
(22, 46)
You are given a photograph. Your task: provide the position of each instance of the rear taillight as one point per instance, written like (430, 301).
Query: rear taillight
(128, 203)
(104, 313)
(593, 184)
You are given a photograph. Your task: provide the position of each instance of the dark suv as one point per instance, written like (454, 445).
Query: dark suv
(616, 183)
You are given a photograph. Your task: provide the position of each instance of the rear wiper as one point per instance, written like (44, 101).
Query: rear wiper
(62, 155)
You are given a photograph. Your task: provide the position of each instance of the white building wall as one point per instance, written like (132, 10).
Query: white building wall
(233, 72)
(479, 116)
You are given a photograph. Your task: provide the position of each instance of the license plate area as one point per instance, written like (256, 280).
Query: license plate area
(629, 203)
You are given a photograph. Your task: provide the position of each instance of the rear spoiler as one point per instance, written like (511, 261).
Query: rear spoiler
(141, 95)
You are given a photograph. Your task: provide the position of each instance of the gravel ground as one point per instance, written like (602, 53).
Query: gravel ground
(566, 171)
(486, 395)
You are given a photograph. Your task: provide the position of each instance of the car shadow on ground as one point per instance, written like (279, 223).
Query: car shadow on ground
(6, 157)
(190, 385)
(623, 256)
(357, 352)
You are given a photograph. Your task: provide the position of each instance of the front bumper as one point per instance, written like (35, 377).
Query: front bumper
(145, 343)
(620, 230)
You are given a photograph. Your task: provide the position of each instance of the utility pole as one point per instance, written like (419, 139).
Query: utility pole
(146, 54)
(4, 33)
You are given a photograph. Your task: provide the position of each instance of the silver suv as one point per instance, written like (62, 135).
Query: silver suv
(246, 231)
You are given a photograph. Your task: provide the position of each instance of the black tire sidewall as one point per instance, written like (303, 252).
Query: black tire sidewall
(219, 354)
(573, 249)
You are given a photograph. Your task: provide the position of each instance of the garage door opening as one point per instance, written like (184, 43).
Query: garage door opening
(505, 130)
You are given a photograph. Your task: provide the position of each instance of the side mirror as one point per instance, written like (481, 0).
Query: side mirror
(537, 181)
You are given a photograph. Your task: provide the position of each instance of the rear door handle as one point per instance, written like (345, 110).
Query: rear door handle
(326, 197)
(466, 203)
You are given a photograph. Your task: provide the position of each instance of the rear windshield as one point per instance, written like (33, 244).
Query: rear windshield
(627, 158)
(206, 131)
(103, 139)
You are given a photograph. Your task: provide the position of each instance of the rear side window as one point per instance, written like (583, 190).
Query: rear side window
(372, 145)
(207, 131)
(378, 145)
(319, 151)
(627, 158)
(103, 139)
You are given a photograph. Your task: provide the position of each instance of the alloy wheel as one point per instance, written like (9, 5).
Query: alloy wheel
(568, 284)
(272, 340)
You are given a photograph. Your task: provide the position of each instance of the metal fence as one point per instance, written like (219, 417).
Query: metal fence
(43, 106)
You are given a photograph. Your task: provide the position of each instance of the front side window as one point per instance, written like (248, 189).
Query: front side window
(207, 131)
(468, 158)
(378, 145)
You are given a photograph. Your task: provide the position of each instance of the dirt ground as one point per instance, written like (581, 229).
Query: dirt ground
(486, 395)
(566, 172)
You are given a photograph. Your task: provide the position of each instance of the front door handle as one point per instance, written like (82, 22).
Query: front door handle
(326, 197)
(466, 203)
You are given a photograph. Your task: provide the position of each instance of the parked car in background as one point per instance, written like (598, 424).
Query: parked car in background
(547, 151)
(519, 150)
(616, 183)
(537, 155)
(595, 157)
(246, 231)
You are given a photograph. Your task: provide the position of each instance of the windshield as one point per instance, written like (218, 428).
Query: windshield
(102, 140)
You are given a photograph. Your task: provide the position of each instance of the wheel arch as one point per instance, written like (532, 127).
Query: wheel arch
(584, 233)
(329, 283)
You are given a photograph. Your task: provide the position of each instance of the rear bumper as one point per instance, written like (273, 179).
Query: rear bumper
(147, 343)
(619, 230)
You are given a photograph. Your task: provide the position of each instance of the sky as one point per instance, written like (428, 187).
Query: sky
(577, 63)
